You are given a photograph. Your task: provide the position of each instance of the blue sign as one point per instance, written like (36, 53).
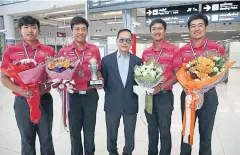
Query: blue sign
(224, 17)
(172, 11)
(227, 6)
(171, 20)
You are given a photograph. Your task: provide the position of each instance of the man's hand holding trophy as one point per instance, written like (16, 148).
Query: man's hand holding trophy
(95, 81)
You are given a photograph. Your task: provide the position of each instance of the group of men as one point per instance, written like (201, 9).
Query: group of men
(116, 70)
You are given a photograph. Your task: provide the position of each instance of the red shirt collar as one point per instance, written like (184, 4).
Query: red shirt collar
(36, 45)
(202, 44)
(163, 45)
(74, 46)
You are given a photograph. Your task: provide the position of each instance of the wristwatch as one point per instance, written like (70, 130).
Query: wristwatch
(160, 86)
(45, 86)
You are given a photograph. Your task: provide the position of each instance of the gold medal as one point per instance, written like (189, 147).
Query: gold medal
(80, 73)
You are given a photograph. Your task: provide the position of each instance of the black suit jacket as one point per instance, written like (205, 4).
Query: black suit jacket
(119, 99)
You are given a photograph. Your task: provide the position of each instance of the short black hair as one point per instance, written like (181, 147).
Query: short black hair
(198, 16)
(78, 20)
(158, 21)
(124, 30)
(28, 20)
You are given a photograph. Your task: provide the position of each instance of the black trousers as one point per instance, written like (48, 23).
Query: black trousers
(160, 121)
(206, 118)
(28, 130)
(112, 123)
(82, 115)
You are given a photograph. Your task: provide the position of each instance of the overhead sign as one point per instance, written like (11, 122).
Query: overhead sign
(171, 11)
(115, 5)
(224, 17)
(173, 20)
(221, 7)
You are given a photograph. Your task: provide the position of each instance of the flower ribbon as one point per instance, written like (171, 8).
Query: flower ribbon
(191, 105)
(34, 101)
(64, 89)
(142, 93)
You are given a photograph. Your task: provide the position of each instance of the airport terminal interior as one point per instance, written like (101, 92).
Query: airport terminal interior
(105, 18)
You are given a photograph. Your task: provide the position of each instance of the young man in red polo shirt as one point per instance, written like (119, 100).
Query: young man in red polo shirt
(197, 25)
(31, 48)
(170, 58)
(84, 101)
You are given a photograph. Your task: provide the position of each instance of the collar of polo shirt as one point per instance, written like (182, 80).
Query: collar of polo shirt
(36, 45)
(164, 45)
(74, 46)
(202, 43)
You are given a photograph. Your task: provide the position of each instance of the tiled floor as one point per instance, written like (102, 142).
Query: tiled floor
(226, 135)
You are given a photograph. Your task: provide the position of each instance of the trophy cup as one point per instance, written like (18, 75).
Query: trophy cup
(93, 67)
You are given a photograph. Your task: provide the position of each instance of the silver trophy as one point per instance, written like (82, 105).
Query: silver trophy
(93, 67)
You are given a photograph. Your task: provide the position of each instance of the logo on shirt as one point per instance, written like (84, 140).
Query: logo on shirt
(167, 55)
(41, 53)
(188, 52)
(71, 53)
(20, 53)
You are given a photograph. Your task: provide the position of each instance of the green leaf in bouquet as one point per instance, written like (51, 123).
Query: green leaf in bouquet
(220, 63)
(213, 74)
(149, 104)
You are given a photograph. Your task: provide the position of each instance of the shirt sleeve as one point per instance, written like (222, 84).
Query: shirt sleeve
(6, 59)
(99, 60)
(177, 58)
(221, 49)
(60, 53)
(143, 57)
(52, 52)
(104, 73)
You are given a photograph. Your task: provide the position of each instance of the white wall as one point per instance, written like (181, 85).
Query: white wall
(234, 53)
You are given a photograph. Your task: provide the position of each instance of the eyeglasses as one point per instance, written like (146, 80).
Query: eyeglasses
(124, 40)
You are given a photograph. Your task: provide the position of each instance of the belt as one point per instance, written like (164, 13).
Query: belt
(41, 96)
(164, 92)
(44, 95)
(84, 91)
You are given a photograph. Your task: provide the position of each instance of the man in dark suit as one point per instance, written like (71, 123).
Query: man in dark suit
(120, 100)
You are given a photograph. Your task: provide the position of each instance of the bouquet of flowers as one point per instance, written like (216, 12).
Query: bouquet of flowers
(61, 71)
(28, 73)
(197, 77)
(147, 76)
(204, 68)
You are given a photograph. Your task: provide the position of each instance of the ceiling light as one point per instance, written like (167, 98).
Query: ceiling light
(235, 36)
(48, 23)
(144, 39)
(186, 38)
(95, 38)
(97, 35)
(184, 35)
(62, 11)
(112, 13)
(62, 18)
(116, 22)
(62, 27)
(226, 30)
(137, 37)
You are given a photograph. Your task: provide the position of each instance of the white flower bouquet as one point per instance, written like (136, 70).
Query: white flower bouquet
(147, 76)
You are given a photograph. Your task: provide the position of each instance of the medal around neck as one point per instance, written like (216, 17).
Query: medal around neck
(93, 67)
(81, 73)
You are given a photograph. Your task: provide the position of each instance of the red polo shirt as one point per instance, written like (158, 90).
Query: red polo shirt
(169, 59)
(90, 51)
(17, 53)
(188, 54)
